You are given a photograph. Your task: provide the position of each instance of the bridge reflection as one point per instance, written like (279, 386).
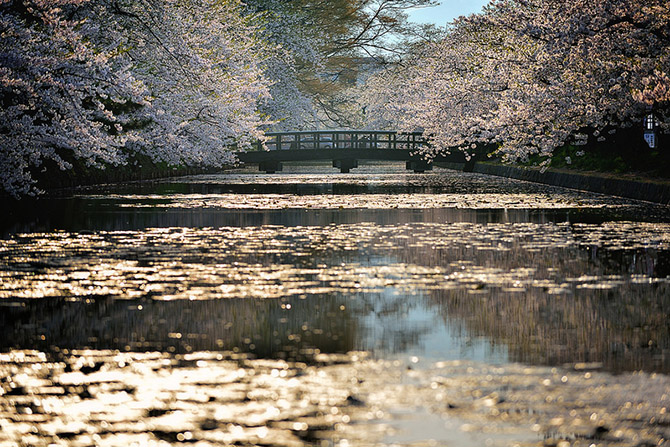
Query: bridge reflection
(345, 148)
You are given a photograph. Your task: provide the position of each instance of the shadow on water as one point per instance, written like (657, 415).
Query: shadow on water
(84, 216)
(379, 194)
(303, 292)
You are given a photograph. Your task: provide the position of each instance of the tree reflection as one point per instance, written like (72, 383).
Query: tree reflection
(288, 328)
(624, 330)
(607, 310)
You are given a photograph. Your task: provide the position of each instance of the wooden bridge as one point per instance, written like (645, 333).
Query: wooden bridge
(345, 148)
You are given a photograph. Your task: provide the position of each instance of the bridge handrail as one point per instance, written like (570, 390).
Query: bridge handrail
(342, 139)
(343, 132)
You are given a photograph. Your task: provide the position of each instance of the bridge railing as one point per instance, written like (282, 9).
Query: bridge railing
(343, 139)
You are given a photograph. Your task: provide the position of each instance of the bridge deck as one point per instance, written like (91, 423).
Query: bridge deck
(344, 147)
(339, 154)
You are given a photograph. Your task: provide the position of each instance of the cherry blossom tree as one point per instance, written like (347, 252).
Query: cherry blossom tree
(55, 91)
(292, 48)
(97, 82)
(201, 62)
(528, 76)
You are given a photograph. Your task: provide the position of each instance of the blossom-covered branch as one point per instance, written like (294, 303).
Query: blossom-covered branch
(526, 77)
(96, 82)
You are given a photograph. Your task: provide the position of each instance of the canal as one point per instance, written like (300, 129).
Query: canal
(313, 308)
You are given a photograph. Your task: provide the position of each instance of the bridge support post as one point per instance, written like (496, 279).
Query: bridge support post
(419, 165)
(270, 166)
(345, 165)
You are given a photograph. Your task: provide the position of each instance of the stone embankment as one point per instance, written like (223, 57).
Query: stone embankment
(629, 187)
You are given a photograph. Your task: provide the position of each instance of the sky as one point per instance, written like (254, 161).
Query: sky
(446, 11)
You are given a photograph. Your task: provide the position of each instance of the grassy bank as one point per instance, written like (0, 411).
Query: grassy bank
(622, 153)
(652, 164)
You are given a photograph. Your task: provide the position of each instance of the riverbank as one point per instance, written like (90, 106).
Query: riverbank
(628, 186)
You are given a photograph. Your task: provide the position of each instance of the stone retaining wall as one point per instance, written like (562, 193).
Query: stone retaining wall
(633, 189)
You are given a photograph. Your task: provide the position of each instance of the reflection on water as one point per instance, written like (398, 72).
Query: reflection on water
(257, 274)
(542, 289)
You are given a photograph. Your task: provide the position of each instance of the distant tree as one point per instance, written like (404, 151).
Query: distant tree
(322, 46)
(293, 47)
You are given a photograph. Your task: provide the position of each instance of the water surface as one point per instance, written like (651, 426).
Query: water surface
(316, 308)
